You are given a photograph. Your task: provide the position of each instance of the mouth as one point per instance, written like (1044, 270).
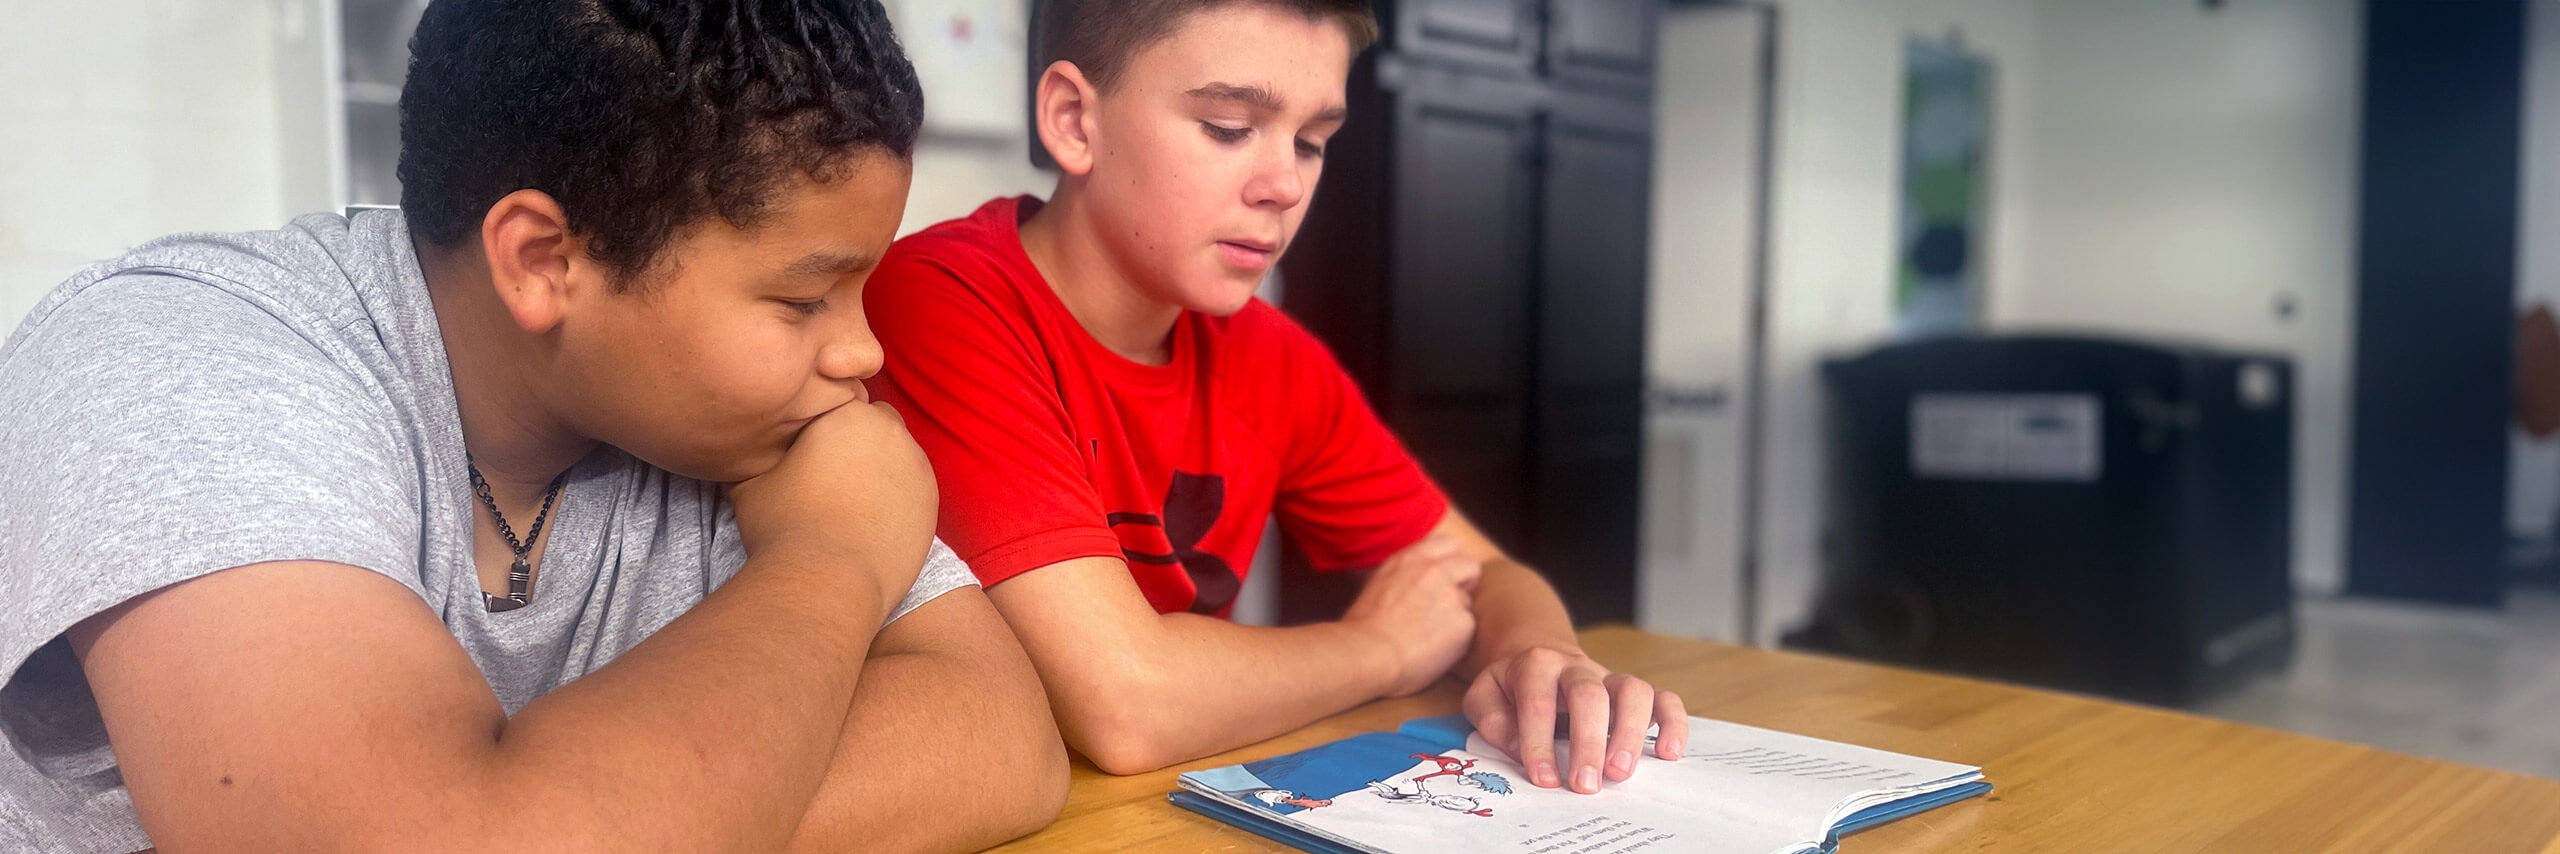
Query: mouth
(861, 397)
(1248, 254)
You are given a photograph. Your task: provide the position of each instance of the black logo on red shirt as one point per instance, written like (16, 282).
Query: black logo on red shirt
(1191, 508)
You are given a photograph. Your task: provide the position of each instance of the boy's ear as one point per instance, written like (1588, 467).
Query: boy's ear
(534, 262)
(1062, 113)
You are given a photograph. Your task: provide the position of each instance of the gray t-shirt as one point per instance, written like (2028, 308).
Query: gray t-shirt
(216, 400)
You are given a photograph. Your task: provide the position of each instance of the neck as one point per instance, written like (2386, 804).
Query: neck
(1066, 248)
(518, 445)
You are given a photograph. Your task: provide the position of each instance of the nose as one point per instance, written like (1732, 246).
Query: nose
(852, 353)
(1279, 177)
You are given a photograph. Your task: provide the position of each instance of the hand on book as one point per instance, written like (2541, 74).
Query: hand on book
(1519, 703)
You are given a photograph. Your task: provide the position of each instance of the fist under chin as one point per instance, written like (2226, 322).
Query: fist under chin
(719, 467)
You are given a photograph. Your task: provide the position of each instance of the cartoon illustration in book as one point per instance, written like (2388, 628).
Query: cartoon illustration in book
(1317, 778)
(1415, 791)
(1277, 797)
(1448, 767)
(1490, 782)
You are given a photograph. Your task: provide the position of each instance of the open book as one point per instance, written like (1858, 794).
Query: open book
(1435, 786)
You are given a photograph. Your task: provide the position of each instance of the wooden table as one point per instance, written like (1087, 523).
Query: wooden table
(2073, 774)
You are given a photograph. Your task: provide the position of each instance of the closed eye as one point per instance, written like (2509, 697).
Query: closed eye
(1223, 133)
(1310, 148)
(806, 307)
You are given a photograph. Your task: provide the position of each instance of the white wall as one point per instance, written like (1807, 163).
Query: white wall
(2191, 169)
(970, 56)
(954, 177)
(1705, 231)
(2154, 169)
(123, 120)
(1833, 227)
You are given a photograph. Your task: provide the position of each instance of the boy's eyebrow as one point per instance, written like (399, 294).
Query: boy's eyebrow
(827, 262)
(1251, 96)
(1256, 97)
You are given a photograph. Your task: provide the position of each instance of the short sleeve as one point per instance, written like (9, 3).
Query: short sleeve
(1350, 495)
(976, 394)
(158, 429)
(943, 572)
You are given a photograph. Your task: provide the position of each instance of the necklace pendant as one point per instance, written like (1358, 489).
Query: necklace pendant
(519, 580)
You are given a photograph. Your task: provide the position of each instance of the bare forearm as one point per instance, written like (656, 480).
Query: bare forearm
(1253, 682)
(941, 753)
(716, 731)
(709, 736)
(1515, 610)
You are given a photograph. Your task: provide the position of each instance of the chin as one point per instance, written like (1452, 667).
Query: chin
(1222, 299)
(717, 467)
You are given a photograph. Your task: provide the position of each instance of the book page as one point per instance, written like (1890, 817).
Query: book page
(1781, 779)
(1380, 793)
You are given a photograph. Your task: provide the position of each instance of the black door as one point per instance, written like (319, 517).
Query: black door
(1589, 404)
(1477, 259)
(1459, 322)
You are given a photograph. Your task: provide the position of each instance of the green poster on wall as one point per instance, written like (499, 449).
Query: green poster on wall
(1938, 281)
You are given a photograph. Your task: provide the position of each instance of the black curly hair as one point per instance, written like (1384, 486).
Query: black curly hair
(641, 116)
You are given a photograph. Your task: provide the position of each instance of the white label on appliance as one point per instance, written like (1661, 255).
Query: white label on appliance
(2043, 437)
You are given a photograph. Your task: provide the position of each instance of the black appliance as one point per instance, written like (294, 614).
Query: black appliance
(2109, 516)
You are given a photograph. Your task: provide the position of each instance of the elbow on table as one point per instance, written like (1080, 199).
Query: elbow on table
(1121, 738)
(1030, 798)
(1043, 790)
(1123, 754)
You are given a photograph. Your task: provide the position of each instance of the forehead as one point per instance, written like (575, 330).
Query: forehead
(1306, 59)
(853, 213)
(863, 196)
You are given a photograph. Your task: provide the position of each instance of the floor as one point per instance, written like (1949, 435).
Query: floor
(2472, 686)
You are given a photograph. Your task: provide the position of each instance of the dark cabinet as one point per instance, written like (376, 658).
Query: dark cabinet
(1489, 33)
(1465, 226)
(1588, 398)
(1476, 257)
(1602, 42)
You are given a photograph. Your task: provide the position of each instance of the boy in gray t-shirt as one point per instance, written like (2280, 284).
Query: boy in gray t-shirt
(547, 512)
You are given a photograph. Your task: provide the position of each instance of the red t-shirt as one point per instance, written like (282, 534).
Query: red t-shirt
(1051, 447)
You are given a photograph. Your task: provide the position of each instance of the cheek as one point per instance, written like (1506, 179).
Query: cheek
(706, 370)
(1177, 180)
(751, 371)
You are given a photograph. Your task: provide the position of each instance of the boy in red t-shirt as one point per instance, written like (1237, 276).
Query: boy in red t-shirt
(1112, 415)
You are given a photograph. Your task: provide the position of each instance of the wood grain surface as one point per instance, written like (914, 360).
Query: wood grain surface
(2072, 773)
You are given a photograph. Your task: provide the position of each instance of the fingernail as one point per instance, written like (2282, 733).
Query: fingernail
(1544, 774)
(1587, 779)
(1675, 748)
(1623, 762)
